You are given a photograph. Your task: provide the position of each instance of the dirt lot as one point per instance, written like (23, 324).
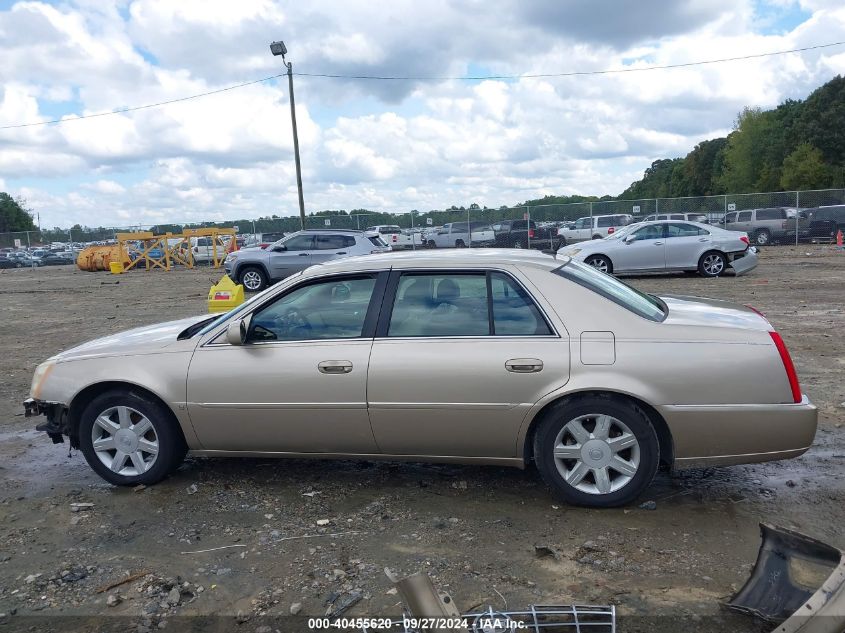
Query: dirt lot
(474, 529)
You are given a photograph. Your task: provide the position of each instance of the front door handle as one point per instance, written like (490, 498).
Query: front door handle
(524, 365)
(335, 367)
(658, 243)
(303, 254)
(703, 239)
(341, 253)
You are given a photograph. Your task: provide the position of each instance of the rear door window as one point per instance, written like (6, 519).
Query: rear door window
(743, 216)
(676, 229)
(440, 305)
(771, 214)
(333, 242)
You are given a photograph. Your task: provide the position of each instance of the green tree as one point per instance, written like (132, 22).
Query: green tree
(14, 216)
(805, 168)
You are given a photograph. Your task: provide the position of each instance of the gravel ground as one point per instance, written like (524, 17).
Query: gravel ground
(313, 537)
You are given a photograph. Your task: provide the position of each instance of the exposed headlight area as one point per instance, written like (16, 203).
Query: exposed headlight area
(40, 376)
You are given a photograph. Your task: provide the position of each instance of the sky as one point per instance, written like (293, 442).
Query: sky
(382, 145)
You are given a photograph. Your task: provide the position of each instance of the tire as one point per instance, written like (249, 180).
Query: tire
(762, 237)
(596, 236)
(128, 414)
(589, 477)
(712, 264)
(601, 263)
(431, 244)
(460, 244)
(561, 243)
(252, 278)
(519, 244)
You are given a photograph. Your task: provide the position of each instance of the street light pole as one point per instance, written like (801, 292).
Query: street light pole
(279, 48)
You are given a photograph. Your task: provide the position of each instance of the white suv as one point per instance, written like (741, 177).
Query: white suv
(594, 228)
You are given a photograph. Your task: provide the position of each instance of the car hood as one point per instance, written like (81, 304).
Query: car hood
(685, 310)
(588, 246)
(143, 340)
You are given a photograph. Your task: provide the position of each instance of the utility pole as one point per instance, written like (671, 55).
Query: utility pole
(279, 48)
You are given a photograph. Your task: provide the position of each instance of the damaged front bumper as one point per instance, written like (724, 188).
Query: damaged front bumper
(797, 582)
(56, 424)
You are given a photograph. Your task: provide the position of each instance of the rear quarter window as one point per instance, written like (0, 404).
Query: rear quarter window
(771, 214)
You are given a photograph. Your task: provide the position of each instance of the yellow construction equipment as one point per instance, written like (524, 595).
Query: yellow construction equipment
(146, 249)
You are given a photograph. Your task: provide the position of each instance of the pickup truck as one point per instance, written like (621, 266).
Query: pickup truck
(461, 234)
(526, 234)
(594, 228)
(395, 237)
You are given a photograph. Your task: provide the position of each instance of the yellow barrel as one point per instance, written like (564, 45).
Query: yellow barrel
(116, 267)
(225, 295)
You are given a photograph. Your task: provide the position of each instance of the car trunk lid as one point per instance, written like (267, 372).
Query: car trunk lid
(684, 310)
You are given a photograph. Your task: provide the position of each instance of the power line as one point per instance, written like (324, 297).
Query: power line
(577, 72)
(610, 71)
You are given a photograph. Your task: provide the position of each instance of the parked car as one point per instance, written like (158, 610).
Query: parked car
(205, 249)
(823, 223)
(259, 267)
(395, 237)
(56, 259)
(595, 382)
(525, 234)
(686, 217)
(594, 228)
(667, 246)
(763, 225)
(263, 240)
(5, 262)
(461, 234)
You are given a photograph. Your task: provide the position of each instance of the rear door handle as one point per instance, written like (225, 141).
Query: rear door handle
(658, 243)
(524, 365)
(341, 253)
(703, 239)
(335, 367)
(303, 254)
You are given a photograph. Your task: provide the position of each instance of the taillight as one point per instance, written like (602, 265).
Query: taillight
(788, 366)
(744, 239)
(395, 238)
(610, 230)
(530, 232)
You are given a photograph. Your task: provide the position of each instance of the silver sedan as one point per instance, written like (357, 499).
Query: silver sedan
(668, 246)
(480, 356)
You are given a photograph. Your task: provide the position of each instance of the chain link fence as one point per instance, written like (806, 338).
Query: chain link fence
(783, 217)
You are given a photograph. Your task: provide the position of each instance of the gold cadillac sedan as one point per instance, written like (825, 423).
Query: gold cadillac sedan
(469, 356)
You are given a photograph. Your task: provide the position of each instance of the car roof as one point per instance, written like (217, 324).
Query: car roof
(333, 231)
(457, 258)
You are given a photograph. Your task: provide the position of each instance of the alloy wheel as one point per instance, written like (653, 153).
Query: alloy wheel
(597, 454)
(251, 280)
(713, 264)
(125, 441)
(599, 264)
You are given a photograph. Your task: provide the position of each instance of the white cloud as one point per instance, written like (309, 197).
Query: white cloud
(390, 145)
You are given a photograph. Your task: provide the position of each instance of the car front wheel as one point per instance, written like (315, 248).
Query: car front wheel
(129, 439)
(253, 279)
(597, 451)
(762, 237)
(600, 262)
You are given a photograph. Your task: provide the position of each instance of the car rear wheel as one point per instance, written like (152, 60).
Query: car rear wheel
(762, 237)
(459, 244)
(712, 264)
(598, 451)
(129, 439)
(600, 262)
(561, 242)
(253, 279)
(518, 244)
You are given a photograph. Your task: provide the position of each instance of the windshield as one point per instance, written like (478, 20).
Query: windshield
(645, 305)
(234, 312)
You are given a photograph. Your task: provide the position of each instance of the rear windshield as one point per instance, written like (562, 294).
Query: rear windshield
(609, 287)
(377, 241)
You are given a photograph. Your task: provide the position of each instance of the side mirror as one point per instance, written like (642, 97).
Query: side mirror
(236, 332)
(630, 238)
